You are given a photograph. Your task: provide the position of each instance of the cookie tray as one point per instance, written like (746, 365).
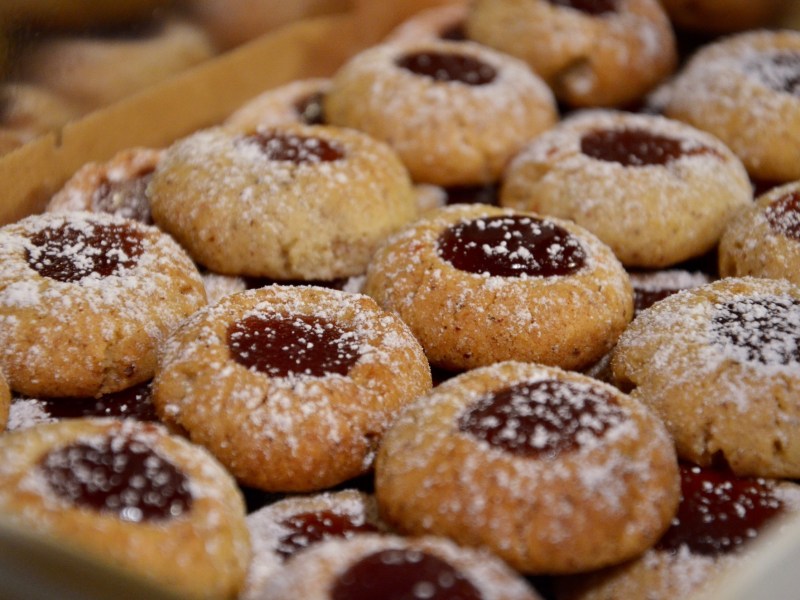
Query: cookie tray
(35, 568)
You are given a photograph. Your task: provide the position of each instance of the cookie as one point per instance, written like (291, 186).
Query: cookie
(454, 112)
(440, 22)
(479, 284)
(743, 89)
(606, 53)
(294, 202)
(552, 470)
(764, 239)
(130, 495)
(720, 363)
(394, 568)
(290, 387)
(86, 299)
(657, 191)
(298, 101)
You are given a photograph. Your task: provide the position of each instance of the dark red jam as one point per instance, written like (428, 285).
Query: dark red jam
(131, 403)
(309, 108)
(591, 7)
(126, 198)
(632, 147)
(71, 252)
(472, 194)
(543, 418)
(780, 71)
(282, 345)
(783, 215)
(118, 476)
(719, 512)
(511, 246)
(443, 66)
(403, 575)
(295, 148)
(312, 527)
(763, 329)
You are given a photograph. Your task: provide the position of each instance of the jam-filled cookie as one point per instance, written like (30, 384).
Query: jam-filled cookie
(441, 22)
(720, 363)
(85, 299)
(744, 90)
(131, 495)
(479, 284)
(295, 102)
(657, 191)
(282, 529)
(718, 518)
(395, 568)
(764, 240)
(290, 387)
(552, 470)
(454, 112)
(291, 202)
(592, 53)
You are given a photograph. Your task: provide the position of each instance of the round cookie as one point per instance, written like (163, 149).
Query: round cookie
(479, 284)
(282, 529)
(85, 300)
(743, 89)
(720, 515)
(298, 101)
(552, 470)
(657, 191)
(721, 16)
(294, 202)
(441, 22)
(454, 112)
(290, 387)
(720, 363)
(395, 568)
(598, 53)
(764, 239)
(130, 495)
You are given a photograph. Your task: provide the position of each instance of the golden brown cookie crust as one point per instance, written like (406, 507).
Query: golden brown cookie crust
(651, 215)
(721, 399)
(202, 553)
(296, 432)
(465, 320)
(598, 504)
(239, 213)
(446, 132)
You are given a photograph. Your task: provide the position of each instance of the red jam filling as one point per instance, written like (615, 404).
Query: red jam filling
(126, 198)
(312, 527)
(783, 215)
(309, 108)
(295, 148)
(632, 147)
(447, 67)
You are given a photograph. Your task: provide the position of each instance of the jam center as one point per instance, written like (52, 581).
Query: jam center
(312, 527)
(283, 345)
(633, 147)
(783, 215)
(309, 109)
(779, 71)
(126, 198)
(446, 67)
(71, 252)
(543, 418)
(591, 7)
(511, 246)
(760, 329)
(403, 575)
(295, 148)
(119, 476)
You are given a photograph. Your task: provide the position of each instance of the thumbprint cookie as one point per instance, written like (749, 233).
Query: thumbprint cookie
(479, 284)
(371, 566)
(554, 471)
(290, 387)
(454, 112)
(764, 240)
(720, 363)
(657, 191)
(133, 496)
(294, 102)
(442, 22)
(290, 202)
(85, 300)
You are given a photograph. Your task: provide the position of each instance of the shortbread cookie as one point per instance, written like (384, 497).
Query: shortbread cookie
(454, 112)
(290, 387)
(479, 284)
(764, 239)
(441, 22)
(744, 90)
(720, 363)
(592, 53)
(552, 470)
(395, 568)
(85, 300)
(295, 102)
(657, 191)
(295, 202)
(130, 495)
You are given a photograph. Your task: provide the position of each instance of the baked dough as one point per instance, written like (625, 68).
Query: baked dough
(442, 22)
(295, 102)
